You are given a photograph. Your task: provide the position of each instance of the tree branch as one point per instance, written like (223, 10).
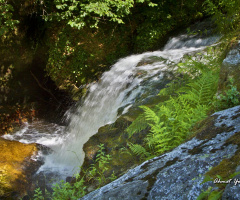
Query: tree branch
(40, 85)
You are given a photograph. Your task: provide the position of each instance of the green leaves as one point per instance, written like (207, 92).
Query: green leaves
(78, 13)
(229, 98)
(65, 190)
(171, 121)
(61, 71)
(97, 169)
(6, 22)
(225, 13)
(73, 191)
(202, 89)
(139, 150)
(138, 124)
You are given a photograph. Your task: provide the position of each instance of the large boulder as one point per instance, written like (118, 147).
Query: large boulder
(179, 174)
(17, 164)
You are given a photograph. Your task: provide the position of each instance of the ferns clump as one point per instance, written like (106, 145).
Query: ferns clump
(170, 122)
(138, 124)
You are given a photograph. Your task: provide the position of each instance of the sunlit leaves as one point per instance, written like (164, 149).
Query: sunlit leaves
(78, 13)
(171, 121)
(6, 22)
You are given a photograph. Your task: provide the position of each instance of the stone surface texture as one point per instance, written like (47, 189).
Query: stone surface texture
(179, 174)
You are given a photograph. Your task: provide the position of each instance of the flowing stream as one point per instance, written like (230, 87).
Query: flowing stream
(117, 88)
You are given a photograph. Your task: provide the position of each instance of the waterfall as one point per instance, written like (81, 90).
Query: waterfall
(117, 88)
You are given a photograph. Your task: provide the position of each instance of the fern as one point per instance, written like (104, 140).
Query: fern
(139, 150)
(150, 115)
(138, 124)
(202, 90)
(173, 86)
(171, 121)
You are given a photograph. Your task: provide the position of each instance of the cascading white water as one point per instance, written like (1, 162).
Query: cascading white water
(103, 100)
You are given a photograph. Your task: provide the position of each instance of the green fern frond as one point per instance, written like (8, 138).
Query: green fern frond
(157, 128)
(171, 121)
(150, 115)
(138, 125)
(202, 90)
(172, 87)
(139, 150)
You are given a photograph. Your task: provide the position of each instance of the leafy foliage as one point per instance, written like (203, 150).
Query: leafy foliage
(145, 23)
(7, 23)
(170, 122)
(139, 150)
(224, 12)
(155, 22)
(229, 99)
(60, 52)
(63, 191)
(96, 170)
(38, 194)
(79, 13)
(138, 124)
(73, 191)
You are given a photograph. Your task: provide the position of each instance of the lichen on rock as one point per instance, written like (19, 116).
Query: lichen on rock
(179, 174)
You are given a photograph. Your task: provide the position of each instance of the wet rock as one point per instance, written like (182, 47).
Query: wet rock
(114, 139)
(179, 174)
(150, 60)
(18, 164)
(230, 68)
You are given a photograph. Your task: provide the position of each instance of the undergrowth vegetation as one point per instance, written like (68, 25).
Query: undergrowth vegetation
(96, 171)
(189, 101)
(191, 97)
(229, 99)
(77, 188)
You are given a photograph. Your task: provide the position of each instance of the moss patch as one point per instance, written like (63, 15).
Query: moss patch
(227, 167)
(206, 130)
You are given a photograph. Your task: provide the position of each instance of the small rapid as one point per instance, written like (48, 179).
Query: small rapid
(117, 88)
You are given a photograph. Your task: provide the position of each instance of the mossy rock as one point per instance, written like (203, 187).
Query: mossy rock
(16, 168)
(115, 141)
(230, 69)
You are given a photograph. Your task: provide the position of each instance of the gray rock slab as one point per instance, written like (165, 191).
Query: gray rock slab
(178, 174)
